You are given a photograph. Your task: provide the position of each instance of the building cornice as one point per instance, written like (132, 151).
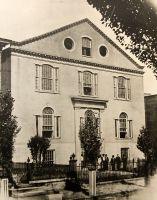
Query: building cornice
(33, 39)
(68, 60)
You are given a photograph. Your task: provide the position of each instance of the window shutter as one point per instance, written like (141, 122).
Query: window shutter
(37, 77)
(130, 129)
(116, 128)
(128, 89)
(80, 82)
(56, 80)
(57, 126)
(115, 86)
(95, 84)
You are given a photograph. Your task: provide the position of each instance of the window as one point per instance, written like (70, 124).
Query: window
(46, 78)
(87, 82)
(122, 88)
(123, 127)
(86, 46)
(103, 51)
(51, 124)
(47, 128)
(49, 156)
(68, 43)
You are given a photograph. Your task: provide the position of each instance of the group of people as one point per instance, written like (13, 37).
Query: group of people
(115, 162)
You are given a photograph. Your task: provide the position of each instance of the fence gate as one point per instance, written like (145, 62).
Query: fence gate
(4, 189)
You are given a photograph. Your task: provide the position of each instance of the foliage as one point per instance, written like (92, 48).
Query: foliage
(135, 19)
(145, 143)
(38, 146)
(90, 140)
(8, 128)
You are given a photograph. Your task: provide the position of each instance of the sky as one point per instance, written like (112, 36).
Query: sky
(22, 19)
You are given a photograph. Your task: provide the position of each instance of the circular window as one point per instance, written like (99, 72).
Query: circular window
(103, 51)
(68, 43)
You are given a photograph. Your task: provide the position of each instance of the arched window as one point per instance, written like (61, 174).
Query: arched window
(87, 83)
(47, 127)
(86, 46)
(123, 124)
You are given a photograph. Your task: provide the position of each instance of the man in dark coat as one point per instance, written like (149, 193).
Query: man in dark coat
(113, 163)
(118, 162)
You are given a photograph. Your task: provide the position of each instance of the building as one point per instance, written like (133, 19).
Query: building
(58, 78)
(151, 115)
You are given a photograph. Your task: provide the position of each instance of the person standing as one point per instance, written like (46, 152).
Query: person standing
(106, 162)
(124, 159)
(103, 161)
(118, 162)
(113, 163)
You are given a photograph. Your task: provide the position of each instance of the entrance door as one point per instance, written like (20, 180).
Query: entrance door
(125, 152)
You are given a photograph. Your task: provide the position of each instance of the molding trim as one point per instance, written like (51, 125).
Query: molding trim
(68, 60)
(33, 39)
(84, 101)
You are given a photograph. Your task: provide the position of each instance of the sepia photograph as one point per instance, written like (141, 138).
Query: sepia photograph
(78, 99)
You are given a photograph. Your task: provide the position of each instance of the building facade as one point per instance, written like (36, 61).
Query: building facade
(151, 116)
(59, 77)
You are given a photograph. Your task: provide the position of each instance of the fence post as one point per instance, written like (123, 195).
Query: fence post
(4, 192)
(92, 183)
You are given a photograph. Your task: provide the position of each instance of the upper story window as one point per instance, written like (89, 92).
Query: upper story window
(51, 126)
(68, 43)
(46, 79)
(86, 46)
(88, 84)
(122, 88)
(103, 51)
(123, 126)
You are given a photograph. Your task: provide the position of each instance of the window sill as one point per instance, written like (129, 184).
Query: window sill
(123, 139)
(49, 92)
(120, 99)
(92, 96)
(56, 138)
(86, 56)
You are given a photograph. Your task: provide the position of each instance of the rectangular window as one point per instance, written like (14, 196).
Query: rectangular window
(88, 83)
(47, 78)
(122, 88)
(49, 156)
(57, 126)
(86, 46)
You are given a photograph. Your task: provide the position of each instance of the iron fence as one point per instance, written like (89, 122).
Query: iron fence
(23, 172)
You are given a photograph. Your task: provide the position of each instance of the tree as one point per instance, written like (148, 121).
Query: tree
(135, 19)
(8, 131)
(145, 143)
(38, 146)
(90, 139)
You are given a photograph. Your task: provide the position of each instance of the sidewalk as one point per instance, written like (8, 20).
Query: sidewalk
(105, 189)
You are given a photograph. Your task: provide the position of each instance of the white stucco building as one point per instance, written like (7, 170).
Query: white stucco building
(57, 77)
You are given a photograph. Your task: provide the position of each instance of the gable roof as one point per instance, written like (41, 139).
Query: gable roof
(33, 39)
